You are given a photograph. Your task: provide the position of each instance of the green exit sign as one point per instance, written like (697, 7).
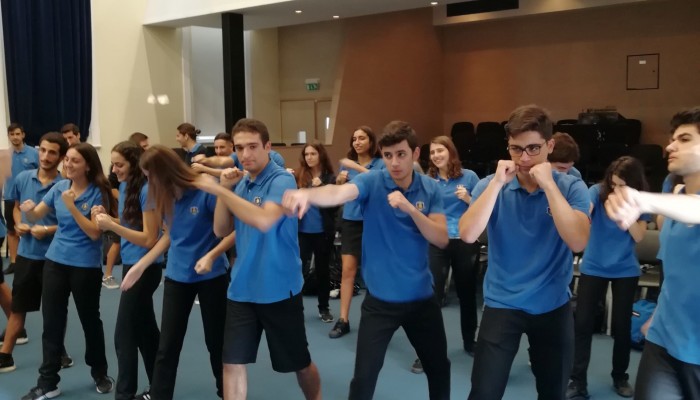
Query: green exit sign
(312, 86)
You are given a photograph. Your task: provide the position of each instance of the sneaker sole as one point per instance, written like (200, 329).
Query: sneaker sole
(8, 369)
(22, 340)
(50, 395)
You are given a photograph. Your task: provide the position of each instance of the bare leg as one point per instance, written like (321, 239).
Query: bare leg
(235, 382)
(347, 284)
(14, 326)
(310, 382)
(12, 244)
(5, 299)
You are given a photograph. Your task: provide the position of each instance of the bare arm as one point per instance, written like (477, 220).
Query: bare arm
(223, 220)
(298, 201)
(89, 226)
(638, 230)
(146, 238)
(625, 205)
(201, 168)
(34, 213)
(433, 227)
(262, 218)
(217, 162)
(474, 221)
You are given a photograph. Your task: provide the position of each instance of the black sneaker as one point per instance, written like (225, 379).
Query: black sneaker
(325, 315)
(623, 388)
(37, 393)
(341, 328)
(21, 339)
(146, 395)
(417, 367)
(7, 363)
(66, 360)
(104, 384)
(10, 269)
(576, 391)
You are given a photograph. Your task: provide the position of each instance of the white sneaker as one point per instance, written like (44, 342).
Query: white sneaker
(110, 283)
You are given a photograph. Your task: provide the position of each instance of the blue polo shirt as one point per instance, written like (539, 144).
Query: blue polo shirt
(394, 252)
(312, 221)
(454, 207)
(27, 186)
(667, 185)
(23, 160)
(574, 172)
(192, 237)
(352, 211)
(676, 323)
(610, 252)
(268, 267)
(70, 245)
(274, 156)
(530, 266)
(130, 252)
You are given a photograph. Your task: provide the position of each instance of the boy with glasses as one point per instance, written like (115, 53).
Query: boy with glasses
(535, 218)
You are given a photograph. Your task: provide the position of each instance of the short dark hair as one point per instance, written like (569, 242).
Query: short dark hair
(56, 138)
(690, 116)
(396, 132)
(251, 125)
(137, 138)
(70, 127)
(13, 126)
(188, 129)
(565, 149)
(223, 136)
(530, 118)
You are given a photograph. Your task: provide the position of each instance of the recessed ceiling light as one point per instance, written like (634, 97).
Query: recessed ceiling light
(298, 11)
(433, 3)
(336, 16)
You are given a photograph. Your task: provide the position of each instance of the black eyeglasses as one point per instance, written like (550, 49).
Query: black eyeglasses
(531, 149)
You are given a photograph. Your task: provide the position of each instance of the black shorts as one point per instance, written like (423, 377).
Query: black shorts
(283, 323)
(9, 218)
(351, 239)
(26, 288)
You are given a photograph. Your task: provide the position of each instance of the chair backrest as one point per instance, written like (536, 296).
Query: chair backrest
(464, 138)
(648, 248)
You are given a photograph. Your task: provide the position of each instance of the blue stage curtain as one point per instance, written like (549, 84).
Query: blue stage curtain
(48, 61)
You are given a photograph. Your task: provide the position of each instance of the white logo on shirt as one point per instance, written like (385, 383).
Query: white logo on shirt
(194, 210)
(84, 206)
(257, 200)
(420, 205)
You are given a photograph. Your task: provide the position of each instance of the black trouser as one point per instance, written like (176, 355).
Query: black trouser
(661, 376)
(320, 244)
(178, 299)
(422, 322)
(136, 331)
(463, 259)
(551, 337)
(85, 284)
(590, 290)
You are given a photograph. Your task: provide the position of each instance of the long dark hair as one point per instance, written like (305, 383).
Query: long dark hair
(96, 176)
(132, 214)
(167, 176)
(373, 148)
(627, 168)
(454, 166)
(304, 175)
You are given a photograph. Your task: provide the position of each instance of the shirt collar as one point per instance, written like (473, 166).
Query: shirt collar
(392, 186)
(264, 174)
